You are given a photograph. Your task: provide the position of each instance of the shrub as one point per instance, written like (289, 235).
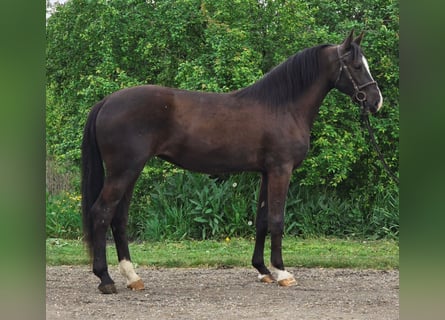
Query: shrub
(193, 206)
(328, 212)
(63, 219)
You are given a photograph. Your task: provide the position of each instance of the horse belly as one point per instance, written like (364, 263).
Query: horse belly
(200, 156)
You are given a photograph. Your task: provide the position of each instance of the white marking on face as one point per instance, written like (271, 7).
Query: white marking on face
(380, 102)
(365, 63)
(127, 270)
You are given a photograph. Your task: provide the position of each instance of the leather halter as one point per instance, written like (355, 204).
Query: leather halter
(359, 95)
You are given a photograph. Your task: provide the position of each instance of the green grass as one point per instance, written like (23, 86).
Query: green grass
(327, 253)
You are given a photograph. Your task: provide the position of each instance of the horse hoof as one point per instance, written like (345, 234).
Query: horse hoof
(266, 278)
(136, 286)
(108, 288)
(287, 282)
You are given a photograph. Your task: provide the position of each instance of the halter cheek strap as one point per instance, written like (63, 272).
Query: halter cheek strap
(359, 95)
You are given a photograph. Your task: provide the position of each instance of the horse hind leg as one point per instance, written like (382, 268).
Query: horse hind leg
(118, 227)
(104, 211)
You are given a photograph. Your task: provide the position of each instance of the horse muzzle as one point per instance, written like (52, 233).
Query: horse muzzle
(367, 104)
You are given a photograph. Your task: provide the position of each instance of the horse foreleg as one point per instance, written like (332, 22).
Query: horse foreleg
(118, 226)
(277, 188)
(261, 232)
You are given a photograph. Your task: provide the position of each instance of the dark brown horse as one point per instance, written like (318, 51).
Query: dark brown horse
(263, 128)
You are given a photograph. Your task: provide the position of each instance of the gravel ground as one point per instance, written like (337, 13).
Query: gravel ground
(235, 293)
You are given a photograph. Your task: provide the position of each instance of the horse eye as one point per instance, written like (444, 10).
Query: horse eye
(357, 66)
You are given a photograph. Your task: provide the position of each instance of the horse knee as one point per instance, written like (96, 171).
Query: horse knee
(276, 226)
(102, 213)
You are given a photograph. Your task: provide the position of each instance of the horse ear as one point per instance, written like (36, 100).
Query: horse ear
(358, 40)
(346, 45)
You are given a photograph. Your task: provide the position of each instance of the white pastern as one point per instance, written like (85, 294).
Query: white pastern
(261, 276)
(280, 274)
(365, 63)
(127, 270)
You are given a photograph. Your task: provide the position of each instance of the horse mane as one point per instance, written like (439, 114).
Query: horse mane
(287, 81)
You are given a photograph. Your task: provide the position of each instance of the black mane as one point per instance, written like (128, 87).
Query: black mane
(287, 81)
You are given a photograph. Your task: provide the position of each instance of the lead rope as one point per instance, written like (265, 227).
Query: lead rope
(365, 119)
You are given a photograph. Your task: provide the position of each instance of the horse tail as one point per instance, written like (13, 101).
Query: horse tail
(92, 174)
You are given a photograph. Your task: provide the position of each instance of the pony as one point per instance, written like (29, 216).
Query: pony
(262, 128)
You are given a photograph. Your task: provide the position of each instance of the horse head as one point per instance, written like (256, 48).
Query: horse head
(353, 76)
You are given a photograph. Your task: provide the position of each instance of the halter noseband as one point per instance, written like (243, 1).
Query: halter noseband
(358, 94)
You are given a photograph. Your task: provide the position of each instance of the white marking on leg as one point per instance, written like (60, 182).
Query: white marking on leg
(266, 278)
(261, 276)
(365, 63)
(280, 274)
(127, 270)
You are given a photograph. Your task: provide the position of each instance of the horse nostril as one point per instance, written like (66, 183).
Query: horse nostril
(378, 104)
(374, 107)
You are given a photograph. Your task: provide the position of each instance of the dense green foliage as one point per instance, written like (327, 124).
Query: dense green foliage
(97, 47)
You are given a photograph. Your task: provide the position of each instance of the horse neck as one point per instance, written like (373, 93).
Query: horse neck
(307, 107)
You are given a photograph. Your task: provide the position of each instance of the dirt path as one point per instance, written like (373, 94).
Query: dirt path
(224, 294)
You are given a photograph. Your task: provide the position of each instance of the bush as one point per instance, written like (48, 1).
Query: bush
(185, 205)
(63, 218)
(63, 215)
(327, 212)
(174, 204)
